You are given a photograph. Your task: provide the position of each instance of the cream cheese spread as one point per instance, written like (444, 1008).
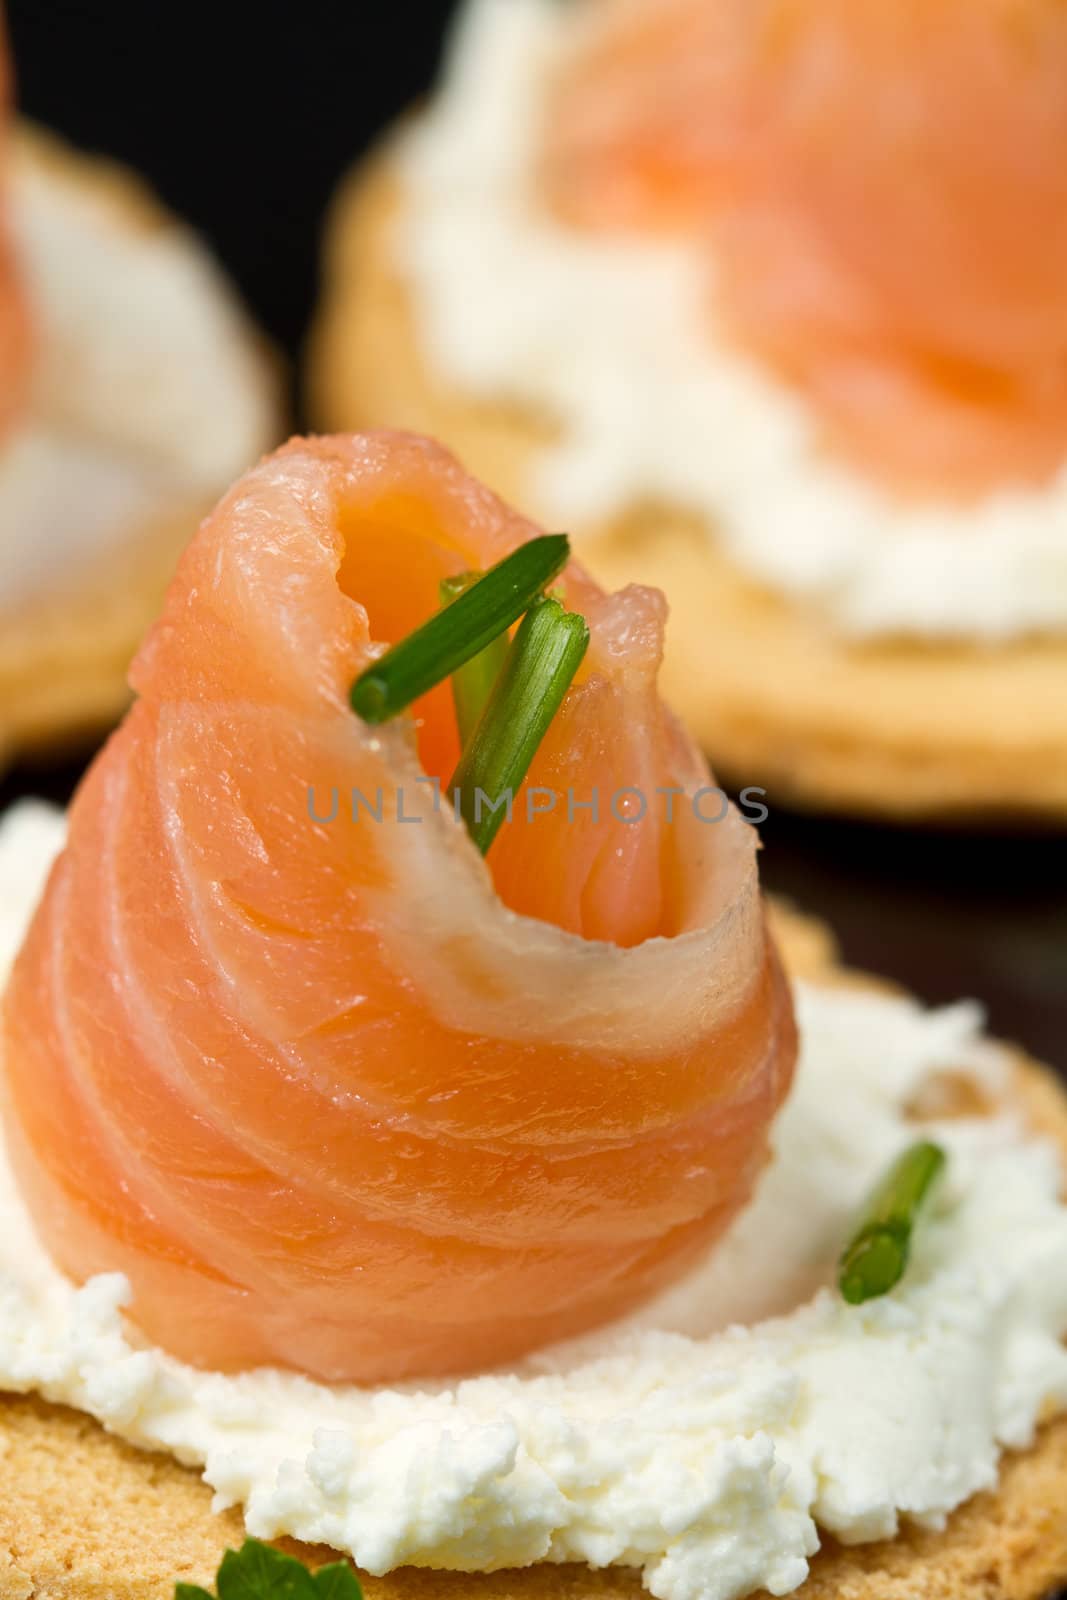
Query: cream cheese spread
(147, 395)
(612, 338)
(705, 1441)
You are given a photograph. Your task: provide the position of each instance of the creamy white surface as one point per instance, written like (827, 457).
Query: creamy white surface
(612, 338)
(145, 393)
(704, 1455)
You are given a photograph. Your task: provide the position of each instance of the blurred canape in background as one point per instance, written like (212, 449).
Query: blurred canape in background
(766, 305)
(133, 388)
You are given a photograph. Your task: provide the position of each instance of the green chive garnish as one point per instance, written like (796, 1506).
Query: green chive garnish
(876, 1257)
(462, 630)
(472, 684)
(544, 656)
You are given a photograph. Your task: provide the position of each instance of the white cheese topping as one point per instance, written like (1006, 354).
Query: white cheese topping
(147, 393)
(706, 1455)
(612, 337)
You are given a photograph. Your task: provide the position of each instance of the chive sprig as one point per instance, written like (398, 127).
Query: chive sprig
(505, 693)
(876, 1257)
(472, 683)
(452, 637)
(544, 656)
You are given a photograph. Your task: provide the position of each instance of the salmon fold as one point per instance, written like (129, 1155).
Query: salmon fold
(332, 1091)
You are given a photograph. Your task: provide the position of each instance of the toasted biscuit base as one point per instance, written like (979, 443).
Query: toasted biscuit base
(85, 1517)
(890, 728)
(65, 652)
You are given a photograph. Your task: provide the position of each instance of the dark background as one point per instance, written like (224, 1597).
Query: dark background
(244, 117)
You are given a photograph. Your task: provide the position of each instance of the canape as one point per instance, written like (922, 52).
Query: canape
(764, 305)
(133, 389)
(404, 1124)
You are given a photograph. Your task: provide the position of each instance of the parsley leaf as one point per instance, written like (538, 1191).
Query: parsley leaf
(259, 1572)
(337, 1582)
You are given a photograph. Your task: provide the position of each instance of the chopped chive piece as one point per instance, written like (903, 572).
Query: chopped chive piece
(472, 684)
(544, 656)
(876, 1257)
(462, 630)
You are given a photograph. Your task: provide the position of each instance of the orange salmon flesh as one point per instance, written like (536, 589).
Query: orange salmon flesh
(342, 1096)
(882, 191)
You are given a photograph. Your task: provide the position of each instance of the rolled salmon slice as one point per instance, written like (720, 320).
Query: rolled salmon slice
(882, 190)
(334, 1092)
